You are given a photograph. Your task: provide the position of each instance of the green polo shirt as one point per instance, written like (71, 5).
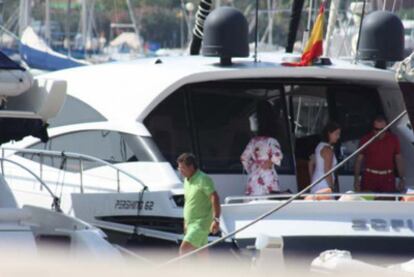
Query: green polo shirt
(197, 192)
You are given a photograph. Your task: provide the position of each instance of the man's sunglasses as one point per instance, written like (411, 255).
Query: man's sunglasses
(378, 129)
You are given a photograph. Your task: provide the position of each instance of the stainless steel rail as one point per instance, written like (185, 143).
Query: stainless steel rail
(56, 200)
(76, 156)
(281, 197)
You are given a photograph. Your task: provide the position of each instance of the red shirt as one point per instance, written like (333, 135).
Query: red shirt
(379, 155)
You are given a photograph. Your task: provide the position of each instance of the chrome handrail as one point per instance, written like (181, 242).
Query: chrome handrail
(56, 200)
(231, 199)
(80, 157)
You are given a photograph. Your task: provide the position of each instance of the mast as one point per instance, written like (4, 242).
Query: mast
(333, 14)
(87, 21)
(24, 15)
(90, 23)
(67, 27)
(1, 12)
(308, 26)
(84, 20)
(133, 19)
(47, 22)
(270, 6)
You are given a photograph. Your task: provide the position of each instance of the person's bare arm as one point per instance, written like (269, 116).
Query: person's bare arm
(215, 203)
(357, 172)
(327, 156)
(400, 167)
(311, 165)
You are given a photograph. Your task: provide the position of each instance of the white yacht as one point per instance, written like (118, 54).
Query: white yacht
(26, 107)
(136, 117)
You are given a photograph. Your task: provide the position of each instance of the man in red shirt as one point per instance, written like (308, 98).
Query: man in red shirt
(380, 158)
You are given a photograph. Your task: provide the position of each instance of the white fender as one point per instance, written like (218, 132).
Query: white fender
(14, 82)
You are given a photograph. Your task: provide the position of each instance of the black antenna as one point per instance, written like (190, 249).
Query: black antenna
(203, 11)
(295, 18)
(360, 28)
(256, 32)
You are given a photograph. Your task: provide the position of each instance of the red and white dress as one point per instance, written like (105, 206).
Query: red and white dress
(259, 150)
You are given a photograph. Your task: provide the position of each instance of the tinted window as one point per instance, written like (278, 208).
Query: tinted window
(352, 107)
(169, 126)
(310, 114)
(224, 116)
(214, 120)
(355, 108)
(110, 146)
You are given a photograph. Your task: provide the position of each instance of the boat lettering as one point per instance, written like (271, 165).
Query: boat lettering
(134, 205)
(379, 224)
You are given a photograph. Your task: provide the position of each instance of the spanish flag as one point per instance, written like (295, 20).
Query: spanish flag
(313, 47)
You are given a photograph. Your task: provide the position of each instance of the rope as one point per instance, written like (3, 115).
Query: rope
(59, 181)
(204, 9)
(140, 206)
(287, 202)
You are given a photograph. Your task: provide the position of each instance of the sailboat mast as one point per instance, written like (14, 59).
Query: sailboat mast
(91, 22)
(310, 15)
(84, 20)
(24, 15)
(67, 27)
(132, 16)
(271, 6)
(333, 14)
(308, 27)
(87, 19)
(47, 22)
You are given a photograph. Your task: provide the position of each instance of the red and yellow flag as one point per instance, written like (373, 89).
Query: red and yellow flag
(314, 48)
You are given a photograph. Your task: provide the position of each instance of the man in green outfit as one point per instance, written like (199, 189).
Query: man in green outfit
(201, 204)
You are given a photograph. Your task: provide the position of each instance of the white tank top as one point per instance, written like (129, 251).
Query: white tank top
(320, 167)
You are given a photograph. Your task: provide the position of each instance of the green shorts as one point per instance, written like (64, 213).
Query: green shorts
(197, 234)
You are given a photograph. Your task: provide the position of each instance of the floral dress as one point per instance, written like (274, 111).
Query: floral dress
(261, 181)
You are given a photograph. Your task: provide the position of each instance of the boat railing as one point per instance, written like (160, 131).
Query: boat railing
(80, 158)
(56, 200)
(354, 196)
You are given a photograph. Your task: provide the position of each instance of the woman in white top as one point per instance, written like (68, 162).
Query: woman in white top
(324, 159)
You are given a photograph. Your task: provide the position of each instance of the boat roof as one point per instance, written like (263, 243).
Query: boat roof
(132, 89)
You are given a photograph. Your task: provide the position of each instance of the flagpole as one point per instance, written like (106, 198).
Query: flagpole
(314, 46)
(310, 16)
(308, 27)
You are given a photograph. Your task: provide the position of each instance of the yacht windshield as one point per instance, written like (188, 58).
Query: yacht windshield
(110, 146)
(143, 148)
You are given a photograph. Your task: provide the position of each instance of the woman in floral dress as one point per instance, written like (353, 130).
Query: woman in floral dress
(261, 154)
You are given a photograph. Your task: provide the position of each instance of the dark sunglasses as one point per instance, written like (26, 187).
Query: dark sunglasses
(378, 129)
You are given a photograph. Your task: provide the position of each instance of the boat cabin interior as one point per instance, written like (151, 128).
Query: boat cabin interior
(215, 120)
